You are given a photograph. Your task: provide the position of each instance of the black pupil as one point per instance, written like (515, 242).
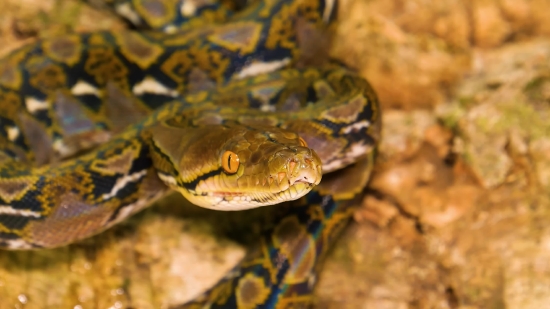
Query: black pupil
(229, 161)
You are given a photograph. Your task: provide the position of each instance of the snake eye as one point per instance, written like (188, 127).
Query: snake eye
(230, 162)
(302, 142)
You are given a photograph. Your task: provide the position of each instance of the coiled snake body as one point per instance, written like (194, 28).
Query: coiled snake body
(94, 127)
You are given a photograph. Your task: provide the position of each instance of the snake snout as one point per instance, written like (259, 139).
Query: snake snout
(306, 172)
(304, 167)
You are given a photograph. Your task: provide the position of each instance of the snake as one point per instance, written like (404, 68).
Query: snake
(218, 104)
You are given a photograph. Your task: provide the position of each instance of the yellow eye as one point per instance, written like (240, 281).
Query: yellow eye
(230, 162)
(302, 142)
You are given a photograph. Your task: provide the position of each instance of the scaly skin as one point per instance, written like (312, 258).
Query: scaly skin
(133, 93)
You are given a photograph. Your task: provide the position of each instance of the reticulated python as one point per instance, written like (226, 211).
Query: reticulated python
(94, 127)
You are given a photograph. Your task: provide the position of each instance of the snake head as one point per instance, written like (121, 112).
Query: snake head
(235, 167)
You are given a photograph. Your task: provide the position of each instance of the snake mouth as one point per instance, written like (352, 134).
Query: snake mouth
(248, 200)
(274, 185)
(273, 189)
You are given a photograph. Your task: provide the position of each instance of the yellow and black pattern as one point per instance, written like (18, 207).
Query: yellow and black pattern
(282, 271)
(86, 125)
(171, 15)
